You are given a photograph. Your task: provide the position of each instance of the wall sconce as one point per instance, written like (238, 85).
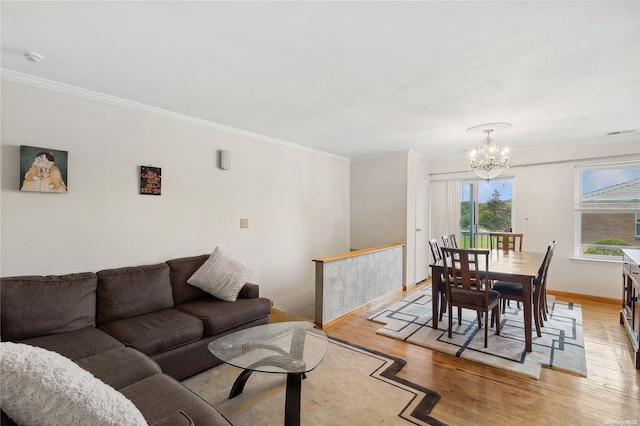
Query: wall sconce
(224, 159)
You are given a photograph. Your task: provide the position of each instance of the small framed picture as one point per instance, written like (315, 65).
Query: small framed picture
(43, 169)
(150, 180)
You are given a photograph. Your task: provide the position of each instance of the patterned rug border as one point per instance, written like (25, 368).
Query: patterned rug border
(411, 316)
(423, 409)
(405, 402)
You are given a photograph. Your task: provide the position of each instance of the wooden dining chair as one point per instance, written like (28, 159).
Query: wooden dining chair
(435, 250)
(513, 291)
(437, 257)
(468, 286)
(544, 308)
(506, 241)
(449, 241)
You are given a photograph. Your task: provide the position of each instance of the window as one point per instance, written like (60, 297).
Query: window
(607, 209)
(485, 206)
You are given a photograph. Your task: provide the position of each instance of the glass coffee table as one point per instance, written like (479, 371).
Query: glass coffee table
(293, 348)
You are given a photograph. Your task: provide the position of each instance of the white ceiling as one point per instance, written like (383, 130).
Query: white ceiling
(355, 79)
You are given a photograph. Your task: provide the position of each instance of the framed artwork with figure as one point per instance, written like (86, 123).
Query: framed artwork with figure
(43, 169)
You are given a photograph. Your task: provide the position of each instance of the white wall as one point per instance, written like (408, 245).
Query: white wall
(378, 201)
(383, 204)
(297, 201)
(544, 210)
(300, 204)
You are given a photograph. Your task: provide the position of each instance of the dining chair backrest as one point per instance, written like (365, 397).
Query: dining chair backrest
(435, 250)
(465, 269)
(506, 241)
(546, 263)
(541, 290)
(541, 276)
(466, 274)
(449, 241)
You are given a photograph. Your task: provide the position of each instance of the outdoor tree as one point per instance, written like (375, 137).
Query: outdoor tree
(465, 216)
(495, 214)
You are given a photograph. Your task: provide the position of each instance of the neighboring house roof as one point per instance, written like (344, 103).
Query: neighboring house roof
(622, 195)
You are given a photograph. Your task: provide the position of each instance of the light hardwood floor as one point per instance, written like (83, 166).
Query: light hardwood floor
(480, 395)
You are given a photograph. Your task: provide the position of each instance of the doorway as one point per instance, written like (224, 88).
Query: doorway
(421, 260)
(485, 206)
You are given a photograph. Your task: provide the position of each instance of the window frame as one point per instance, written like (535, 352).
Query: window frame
(631, 206)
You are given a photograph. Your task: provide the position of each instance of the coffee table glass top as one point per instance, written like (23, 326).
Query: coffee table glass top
(285, 347)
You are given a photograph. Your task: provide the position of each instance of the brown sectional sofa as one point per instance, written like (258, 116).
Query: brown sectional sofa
(139, 329)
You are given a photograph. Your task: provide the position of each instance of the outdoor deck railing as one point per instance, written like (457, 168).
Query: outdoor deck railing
(481, 239)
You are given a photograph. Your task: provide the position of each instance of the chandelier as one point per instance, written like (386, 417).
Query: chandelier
(488, 160)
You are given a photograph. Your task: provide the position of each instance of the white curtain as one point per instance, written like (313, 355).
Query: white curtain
(445, 209)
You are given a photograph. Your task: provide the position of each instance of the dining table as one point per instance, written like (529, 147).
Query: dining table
(512, 266)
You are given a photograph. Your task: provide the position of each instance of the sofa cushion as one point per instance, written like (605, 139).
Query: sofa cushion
(160, 397)
(43, 387)
(219, 316)
(195, 357)
(156, 332)
(76, 344)
(131, 291)
(179, 418)
(34, 306)
(120, 367)
(221, 275)
(181, 270)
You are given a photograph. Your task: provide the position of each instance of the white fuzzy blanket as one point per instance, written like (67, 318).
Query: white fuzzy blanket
(40, 387)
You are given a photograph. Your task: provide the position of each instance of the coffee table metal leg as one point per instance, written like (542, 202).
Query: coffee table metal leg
(238, 385)
(292, 399)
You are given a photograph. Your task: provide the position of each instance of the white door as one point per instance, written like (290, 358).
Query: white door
(422, 251)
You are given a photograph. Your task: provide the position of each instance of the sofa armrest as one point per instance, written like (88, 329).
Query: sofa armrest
(249, 291)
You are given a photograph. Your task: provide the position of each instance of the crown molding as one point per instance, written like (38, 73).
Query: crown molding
(381, 155)
(89, 95)
(393, 154)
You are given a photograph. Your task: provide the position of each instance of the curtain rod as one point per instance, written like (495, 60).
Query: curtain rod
(544, 163)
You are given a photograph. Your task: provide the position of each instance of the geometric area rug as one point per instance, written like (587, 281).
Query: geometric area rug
(561, 346)
(352, 385)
